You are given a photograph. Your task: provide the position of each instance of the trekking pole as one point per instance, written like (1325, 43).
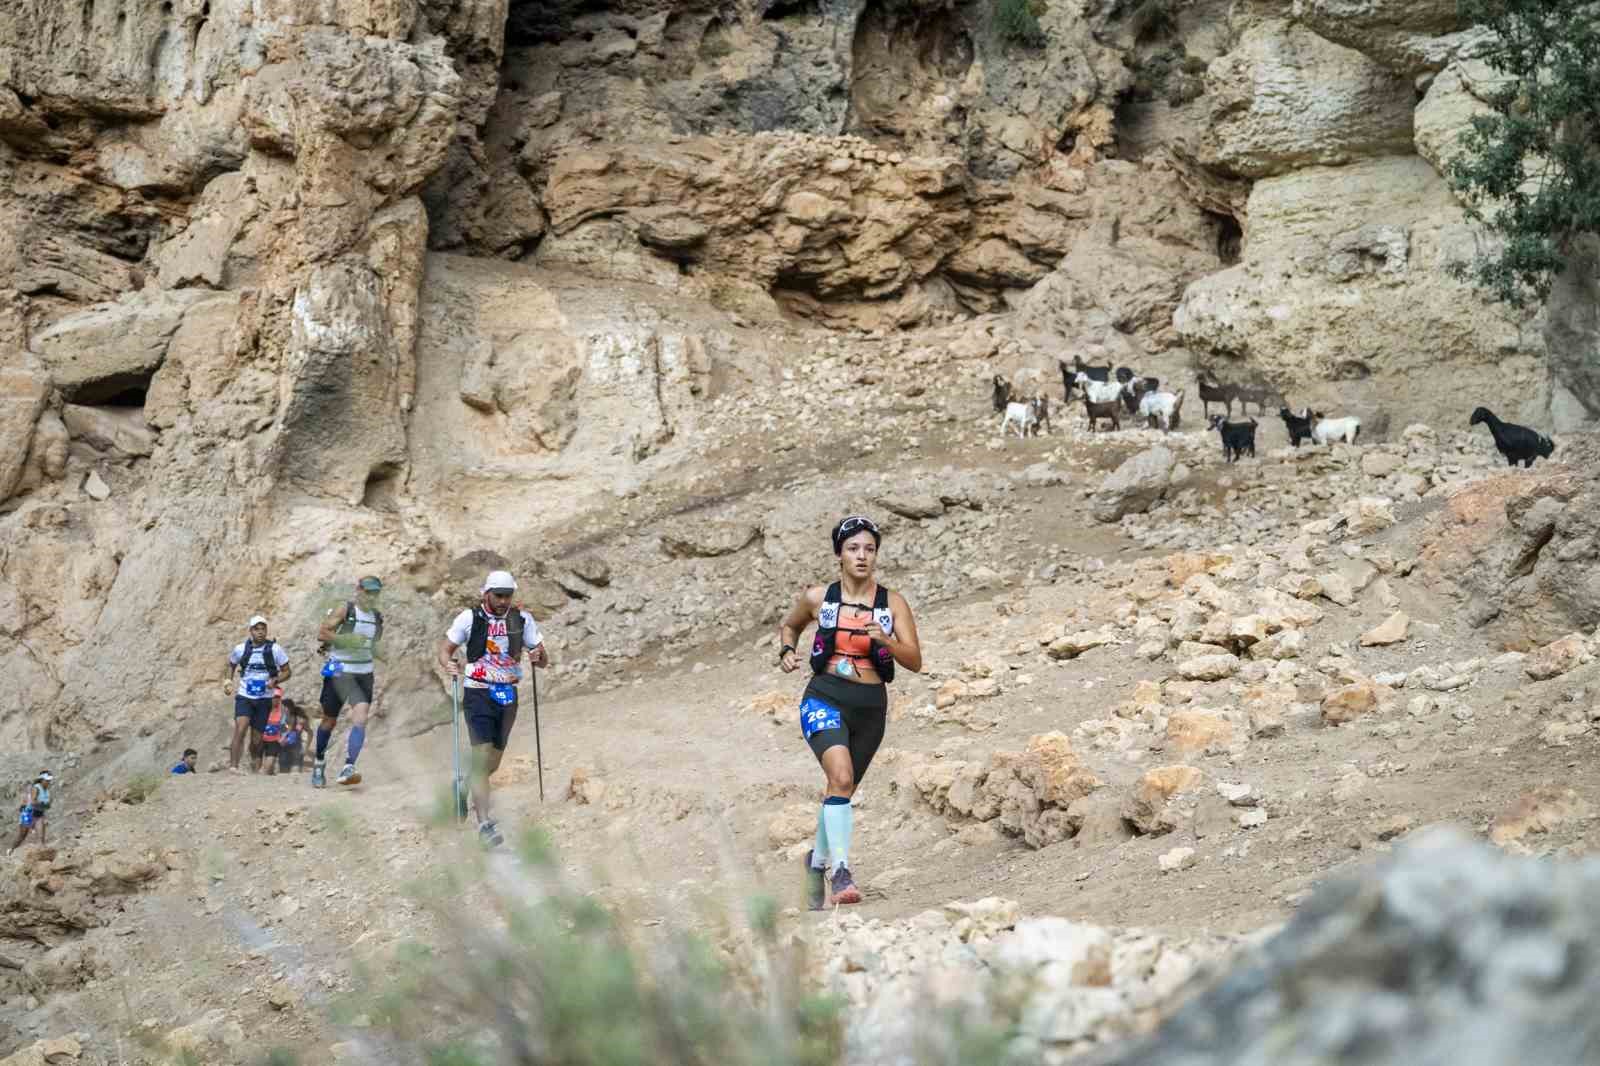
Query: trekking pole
(459, 797)
(538, 747)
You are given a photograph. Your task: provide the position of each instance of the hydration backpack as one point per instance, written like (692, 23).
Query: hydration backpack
(828, 631)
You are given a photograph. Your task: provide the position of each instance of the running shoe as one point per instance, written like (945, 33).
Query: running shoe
(349, 775)
(489, 835)
(816, 885)
(319, 777)
(844, 888)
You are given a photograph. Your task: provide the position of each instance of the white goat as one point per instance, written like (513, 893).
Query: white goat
(1021, 415)
(1329, 430)
(1100, 391)
(1161, 407)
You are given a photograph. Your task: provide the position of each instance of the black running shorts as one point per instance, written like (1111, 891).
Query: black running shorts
(834, 711)
(488, 722)
(343, 690)
(255, 710)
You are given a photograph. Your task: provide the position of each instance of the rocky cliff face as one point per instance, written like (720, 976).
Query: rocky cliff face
(295, 289)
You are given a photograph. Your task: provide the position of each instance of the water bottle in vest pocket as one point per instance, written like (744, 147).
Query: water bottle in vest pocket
(332, 668)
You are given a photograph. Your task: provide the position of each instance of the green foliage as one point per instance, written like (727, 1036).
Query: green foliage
(1017, 21)
(1530, 171)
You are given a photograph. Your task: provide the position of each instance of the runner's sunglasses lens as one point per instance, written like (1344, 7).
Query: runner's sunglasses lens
(501, 592)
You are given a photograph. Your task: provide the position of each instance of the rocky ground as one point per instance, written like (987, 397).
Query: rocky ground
(1140, 742)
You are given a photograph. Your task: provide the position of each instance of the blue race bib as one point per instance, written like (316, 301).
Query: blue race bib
(255, 687)
(332, 668)
(505, 695)
(27, 816)
(815, 716)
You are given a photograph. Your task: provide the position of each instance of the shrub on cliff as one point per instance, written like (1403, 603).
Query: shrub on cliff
(1530, 171)
(1018, 21)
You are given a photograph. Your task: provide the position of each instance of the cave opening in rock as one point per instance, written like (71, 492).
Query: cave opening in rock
(382, 490)
(119, 390)
(1230, 237)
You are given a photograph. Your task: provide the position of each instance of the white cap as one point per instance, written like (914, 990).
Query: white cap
(257, 620)
(47, 776)
(499, 579)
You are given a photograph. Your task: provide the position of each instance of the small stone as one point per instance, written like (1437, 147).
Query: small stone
(95, 488)
(1391, 631)
(1557, 657)
(1176, 859)
(1399, 825)
(1251, 819)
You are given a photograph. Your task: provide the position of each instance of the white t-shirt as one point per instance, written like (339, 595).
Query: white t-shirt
(357, 660)
(255, 681)
(496, 667)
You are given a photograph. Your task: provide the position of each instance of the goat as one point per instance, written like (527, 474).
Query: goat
(1299, 426)
(1018, 414)
(1096, 373)
(1256, 394)
(1211, 392)
(1041, 414)
(1237, 438)
(1067, 376)
(1105, 409)
(1099, 391)
(1518, 444)
(1002, 393)
(1328, 430)
(1134, 389)
(1161, 409)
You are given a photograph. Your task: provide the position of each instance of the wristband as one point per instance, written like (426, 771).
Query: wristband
(785, 650)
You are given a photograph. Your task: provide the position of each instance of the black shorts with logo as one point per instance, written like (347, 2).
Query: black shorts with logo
(341, 690)
(488, 722)
(836, 712)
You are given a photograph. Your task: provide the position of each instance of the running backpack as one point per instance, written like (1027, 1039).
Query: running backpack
(274, 727)
(269, 659)
(828, 631)
(349, 623)
(478, 639)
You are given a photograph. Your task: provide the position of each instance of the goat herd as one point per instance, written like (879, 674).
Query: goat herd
(1107, 394)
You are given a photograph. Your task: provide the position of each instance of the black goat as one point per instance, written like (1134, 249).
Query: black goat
(1002, 393)
(1237, 437)
(1067, 376)
(1125, 374)
(1211, 392)
(1096, 373)
(1299, 426)
(1518, 444)
(1136, 388)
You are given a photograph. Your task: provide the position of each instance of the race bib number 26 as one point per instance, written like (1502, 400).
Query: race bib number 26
(816, 716)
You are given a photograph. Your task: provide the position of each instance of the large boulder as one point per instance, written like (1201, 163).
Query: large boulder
(108, 348)
(1448, 953)
(1131, 488)
(1406, 36)
(1517, 553)
(1345, 291)
(1286, 98)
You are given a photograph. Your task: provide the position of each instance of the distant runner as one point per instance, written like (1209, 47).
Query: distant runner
(350, 633)
(261, 664)
(35, 805)
(496, 635)
(863, 631)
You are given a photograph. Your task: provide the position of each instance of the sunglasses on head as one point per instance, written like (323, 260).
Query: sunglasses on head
(855, 524)
(501, 592)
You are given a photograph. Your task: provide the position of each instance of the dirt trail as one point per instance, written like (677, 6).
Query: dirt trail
(276, 893)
